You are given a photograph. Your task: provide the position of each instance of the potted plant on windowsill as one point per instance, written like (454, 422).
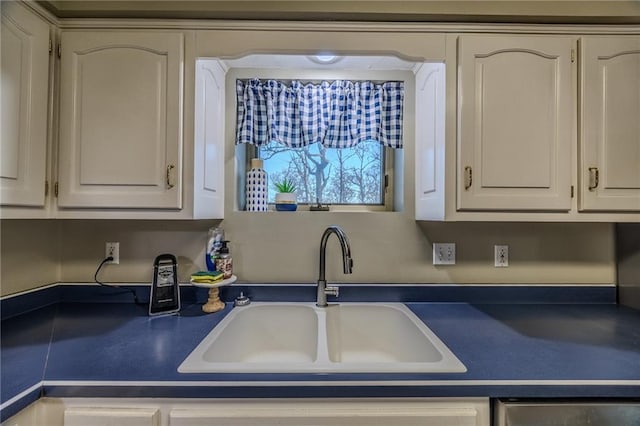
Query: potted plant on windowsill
(286, 196)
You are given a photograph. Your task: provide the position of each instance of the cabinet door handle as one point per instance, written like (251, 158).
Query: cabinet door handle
(468, 178)
(169, 168)
(594, 178)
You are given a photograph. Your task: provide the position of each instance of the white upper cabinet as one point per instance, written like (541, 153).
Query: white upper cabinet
(24, 80)
(430, 141)
(208, 166)
(121, 120)
(610, 124)
(515, 128)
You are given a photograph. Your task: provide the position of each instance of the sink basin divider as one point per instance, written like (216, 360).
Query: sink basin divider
(323, 347)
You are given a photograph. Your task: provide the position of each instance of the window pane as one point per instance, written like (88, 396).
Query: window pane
(327, 175)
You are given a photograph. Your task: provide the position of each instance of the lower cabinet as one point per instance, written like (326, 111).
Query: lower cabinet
(370, 412)
(250, 412)
(106, 416)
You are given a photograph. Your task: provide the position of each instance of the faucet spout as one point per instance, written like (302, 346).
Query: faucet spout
(347, 263)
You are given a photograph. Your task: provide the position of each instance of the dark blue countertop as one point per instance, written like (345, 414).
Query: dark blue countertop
(510, 350)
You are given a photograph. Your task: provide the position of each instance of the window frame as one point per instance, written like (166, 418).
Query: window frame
(387, 184)
(394, 158)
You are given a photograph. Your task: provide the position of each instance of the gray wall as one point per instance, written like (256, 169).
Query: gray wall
(283, 248)
(628, 259)
(29, 254)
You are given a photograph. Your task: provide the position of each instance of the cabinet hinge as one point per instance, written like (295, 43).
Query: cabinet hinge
(55, 189)
(571, 191)
(46, 188)
(50, 46)
(59, 50)
(573, 55)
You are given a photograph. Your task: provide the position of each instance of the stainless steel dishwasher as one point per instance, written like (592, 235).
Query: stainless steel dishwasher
(566, 413)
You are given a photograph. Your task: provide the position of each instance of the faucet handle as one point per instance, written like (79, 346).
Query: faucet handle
(332, 291)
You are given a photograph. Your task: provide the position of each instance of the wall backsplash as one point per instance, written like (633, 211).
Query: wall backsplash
(29, 254)
(628, 257)
(283, 247)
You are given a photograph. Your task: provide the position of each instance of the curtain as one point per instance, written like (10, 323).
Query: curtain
(337, 114)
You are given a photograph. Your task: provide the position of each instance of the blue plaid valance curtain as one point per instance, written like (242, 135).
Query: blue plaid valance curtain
(338, 114)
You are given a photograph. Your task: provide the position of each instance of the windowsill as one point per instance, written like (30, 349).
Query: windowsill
(338, 208)
(309, 212)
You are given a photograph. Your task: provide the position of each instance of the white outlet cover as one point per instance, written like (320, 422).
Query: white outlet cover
(444, 253)
(112, 249)
(501, 256)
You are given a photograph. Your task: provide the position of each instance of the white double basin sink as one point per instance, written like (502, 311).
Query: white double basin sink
(302, 338)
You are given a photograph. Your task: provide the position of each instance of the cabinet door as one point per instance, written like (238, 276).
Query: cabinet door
(610, 136)
(208, 141)
(121, 120)
(109, 416)
(364, 412)
(430, 141)
(515, 111)
(24, 77)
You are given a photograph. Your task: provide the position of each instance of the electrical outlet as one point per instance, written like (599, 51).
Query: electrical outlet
(444, 253)
(113, 250)
(501, 256)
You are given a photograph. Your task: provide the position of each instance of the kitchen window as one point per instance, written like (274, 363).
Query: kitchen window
(335, 140)
(346, 176)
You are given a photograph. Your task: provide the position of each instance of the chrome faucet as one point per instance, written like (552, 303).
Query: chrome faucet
(347, 263)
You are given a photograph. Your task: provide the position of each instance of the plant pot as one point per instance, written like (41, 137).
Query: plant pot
(286, 201)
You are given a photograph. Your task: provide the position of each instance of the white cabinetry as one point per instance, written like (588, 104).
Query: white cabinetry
(610, 123)
(251, 412)
(519, 144)
(25, 87)
(430, 141)
(208, 166)
(28, 416)
(515, 106)
(367, 412)
(108, 416)
(121, 120)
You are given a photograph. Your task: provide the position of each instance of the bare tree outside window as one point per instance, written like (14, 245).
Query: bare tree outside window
(328, 175)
